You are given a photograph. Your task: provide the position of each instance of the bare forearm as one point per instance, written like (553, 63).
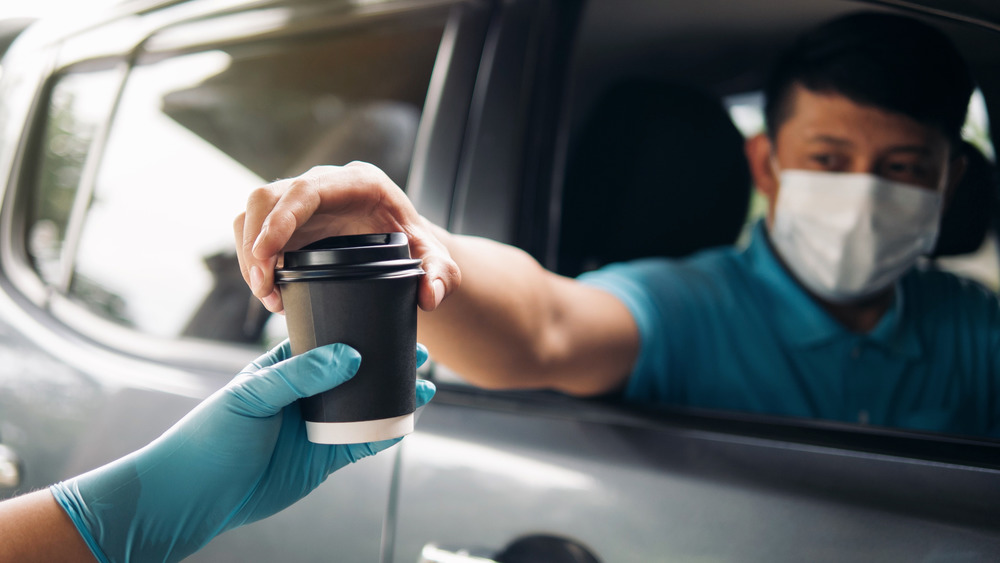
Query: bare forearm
(513, 324)
(489, 310)
(34, 527)
(491, 328)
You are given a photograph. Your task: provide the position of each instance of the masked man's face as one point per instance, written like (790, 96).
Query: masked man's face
(855, 193)
(829, 132)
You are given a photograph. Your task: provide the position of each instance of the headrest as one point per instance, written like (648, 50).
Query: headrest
(658, 170)
(966, 220)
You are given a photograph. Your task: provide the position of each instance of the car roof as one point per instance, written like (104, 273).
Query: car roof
(725, 46)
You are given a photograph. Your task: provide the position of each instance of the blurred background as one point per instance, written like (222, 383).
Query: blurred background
(43, 8)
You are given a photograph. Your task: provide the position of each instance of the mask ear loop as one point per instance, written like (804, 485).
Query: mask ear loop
(776, 171)
(775, 165)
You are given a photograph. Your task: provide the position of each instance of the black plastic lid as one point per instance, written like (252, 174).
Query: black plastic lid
(352, 256)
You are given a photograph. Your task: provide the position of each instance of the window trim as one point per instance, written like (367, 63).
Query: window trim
(800, 433)
(187, 352)
(87, 184)
(511, 225)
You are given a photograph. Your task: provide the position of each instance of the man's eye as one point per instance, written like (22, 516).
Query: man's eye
(907, 170)
(826, 160)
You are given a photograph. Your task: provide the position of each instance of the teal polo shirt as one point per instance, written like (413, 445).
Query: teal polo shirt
(731, 329)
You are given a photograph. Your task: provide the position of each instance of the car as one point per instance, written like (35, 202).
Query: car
(131, 138)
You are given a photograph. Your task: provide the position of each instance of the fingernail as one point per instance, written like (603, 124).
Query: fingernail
(260, 238)
(438, 286)
(256, 278)
(272, 302)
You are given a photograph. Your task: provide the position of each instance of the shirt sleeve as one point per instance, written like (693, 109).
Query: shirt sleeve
(633, 283)
(977, 329)
(960, 320)
(987, 328)
(993, 329)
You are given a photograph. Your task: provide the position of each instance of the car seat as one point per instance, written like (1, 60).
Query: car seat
(971, 211)
(658, 170)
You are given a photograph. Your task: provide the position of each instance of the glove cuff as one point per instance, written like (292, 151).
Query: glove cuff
(67, 495)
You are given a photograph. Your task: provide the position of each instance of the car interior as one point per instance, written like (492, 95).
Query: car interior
(658, 170)
(653, 137)
(649, 87)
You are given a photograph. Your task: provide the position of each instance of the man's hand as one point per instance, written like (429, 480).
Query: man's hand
(329, 201)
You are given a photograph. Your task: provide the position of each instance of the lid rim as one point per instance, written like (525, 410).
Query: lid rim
(350, 251)
(372, 270)
(319, 275)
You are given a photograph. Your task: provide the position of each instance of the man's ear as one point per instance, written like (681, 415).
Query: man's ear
(759, 156)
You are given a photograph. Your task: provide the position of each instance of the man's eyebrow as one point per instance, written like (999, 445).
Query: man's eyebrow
(829, 139)
(841, 142)
(915, 149)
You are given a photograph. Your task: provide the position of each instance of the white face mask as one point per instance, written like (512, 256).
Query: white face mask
(849, 236)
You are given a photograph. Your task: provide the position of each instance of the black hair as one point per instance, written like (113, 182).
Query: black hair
(892, 62)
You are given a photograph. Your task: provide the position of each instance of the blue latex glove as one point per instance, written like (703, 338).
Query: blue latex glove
(239, 456)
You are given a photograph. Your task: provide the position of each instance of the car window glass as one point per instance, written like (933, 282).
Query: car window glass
(195, 133)
(623, 71)
(79, 104)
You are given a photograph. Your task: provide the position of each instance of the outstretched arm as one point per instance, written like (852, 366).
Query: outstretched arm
(514, 324)
(507, 322)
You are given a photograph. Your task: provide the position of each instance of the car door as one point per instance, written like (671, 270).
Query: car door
(538, 476)
(492, 474)
(130, 143)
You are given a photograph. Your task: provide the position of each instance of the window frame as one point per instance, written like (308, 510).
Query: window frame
(524, 220)
(165, 40)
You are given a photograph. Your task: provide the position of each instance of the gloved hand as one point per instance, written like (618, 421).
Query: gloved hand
(239, 456)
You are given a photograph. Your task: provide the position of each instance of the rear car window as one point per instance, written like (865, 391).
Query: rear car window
(78, 108)
(193, 133)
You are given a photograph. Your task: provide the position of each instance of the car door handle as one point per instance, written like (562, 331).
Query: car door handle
(533, 548)
(432, 553)
(10, 468)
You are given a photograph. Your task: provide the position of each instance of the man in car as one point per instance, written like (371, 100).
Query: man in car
(823, 315)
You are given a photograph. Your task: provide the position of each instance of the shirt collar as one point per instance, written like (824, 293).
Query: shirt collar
(801, 321)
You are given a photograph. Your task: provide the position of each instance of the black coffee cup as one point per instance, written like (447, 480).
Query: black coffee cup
(360, 290)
